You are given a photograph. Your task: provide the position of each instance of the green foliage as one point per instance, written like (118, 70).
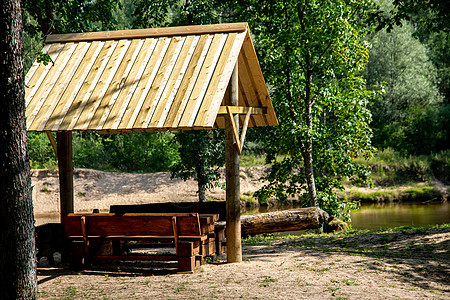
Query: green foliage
(423, 193)
(125, 14)
(201, 155)
(89, 151)
(314, 50)
(132, 152)
(41, 152)
(54, 16)
(440, 164)
(410, 106)
(427, 15)
(43, 17)
(392, 168)
(142, 152)
(175, 13)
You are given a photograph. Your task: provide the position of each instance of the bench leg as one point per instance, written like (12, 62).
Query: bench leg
(76, 255)
(220, 238)
(186, 257)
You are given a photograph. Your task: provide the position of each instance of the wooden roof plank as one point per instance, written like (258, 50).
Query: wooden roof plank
(151, 60)
(163, 46)
(94, 74)
(217, 93)
(36, 81)
(168, 72)
(113, 87)
(63, 83)
(45, 89)
(214, 90)
(148, 82)
(102, 86)
(204, 97)
(189, 81)
(178, 73)
(70, 94)
(245, 85)
(119, 81)
(203, 80)
(35, 66)
(133, 81)
(257, 79)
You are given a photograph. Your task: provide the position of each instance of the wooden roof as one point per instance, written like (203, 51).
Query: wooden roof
(146, 79)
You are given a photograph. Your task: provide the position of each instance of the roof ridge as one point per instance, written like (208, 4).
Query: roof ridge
(148, 32)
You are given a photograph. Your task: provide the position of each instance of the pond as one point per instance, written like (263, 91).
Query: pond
(385, 215)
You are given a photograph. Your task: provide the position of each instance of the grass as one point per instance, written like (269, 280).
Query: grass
(376, 243)
(252, 160)
(418, 193)
(391, 168)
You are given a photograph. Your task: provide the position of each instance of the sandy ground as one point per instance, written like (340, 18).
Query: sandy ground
(98, 190)
(390, 265)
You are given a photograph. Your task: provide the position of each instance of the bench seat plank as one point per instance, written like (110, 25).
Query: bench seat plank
(137, 257)
(139, 237)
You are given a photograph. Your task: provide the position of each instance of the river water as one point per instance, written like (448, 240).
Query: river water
(375, 216)
(386, 215)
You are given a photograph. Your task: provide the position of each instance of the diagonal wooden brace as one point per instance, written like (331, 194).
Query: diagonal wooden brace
(52, 142)
(239, 141)
(175, 233)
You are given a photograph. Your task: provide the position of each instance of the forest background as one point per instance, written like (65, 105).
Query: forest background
(373, 79)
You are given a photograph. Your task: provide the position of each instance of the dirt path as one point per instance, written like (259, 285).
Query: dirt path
(389, 265)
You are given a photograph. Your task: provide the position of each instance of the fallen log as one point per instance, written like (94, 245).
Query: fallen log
(286, 220)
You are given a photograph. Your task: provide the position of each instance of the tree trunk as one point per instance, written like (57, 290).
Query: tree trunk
(306, 145)
(307, 155)
(201, 180)
(201, 192)
(286, 220)
(17, 244)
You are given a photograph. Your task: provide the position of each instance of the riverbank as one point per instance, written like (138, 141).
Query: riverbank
(401, 263)
(98, 190)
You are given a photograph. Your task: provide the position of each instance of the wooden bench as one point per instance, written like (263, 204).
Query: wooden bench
(216, 208)
(183, 231)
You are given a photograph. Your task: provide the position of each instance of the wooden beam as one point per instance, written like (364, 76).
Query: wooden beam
(242, 110)
(244, 130)
(239, 142)
(175, 233)
(234, 247)
(145, 33)
(52, 142)
(235, 130)
(65, 164)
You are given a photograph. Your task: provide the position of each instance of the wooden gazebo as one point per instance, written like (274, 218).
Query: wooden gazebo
(177, 78)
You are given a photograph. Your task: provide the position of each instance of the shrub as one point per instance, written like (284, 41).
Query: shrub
(440, 165)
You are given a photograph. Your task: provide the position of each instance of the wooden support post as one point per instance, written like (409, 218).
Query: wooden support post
(65, 164)
(233, 228)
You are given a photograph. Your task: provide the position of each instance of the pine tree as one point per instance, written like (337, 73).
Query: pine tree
(17, 245)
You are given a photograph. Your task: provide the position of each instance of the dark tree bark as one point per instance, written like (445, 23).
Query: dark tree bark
(17, 244)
